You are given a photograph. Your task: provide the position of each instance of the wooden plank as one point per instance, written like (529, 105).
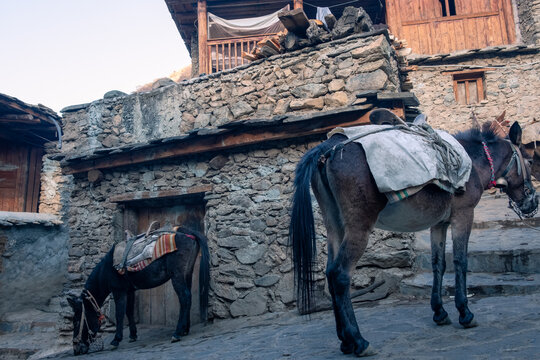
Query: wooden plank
(202, 21)
(34, 178)
(143, 195)
(223, 141)
(295, 21)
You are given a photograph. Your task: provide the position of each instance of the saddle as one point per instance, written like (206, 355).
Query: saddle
(137, 252)
(405, 157)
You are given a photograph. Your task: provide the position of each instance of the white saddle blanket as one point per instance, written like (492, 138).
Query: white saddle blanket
(401, 160)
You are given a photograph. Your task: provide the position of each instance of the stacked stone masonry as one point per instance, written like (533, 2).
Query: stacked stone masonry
(247, 211)
(511, 85)
(322, 77)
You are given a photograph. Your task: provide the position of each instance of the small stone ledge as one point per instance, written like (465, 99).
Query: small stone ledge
(9, 218)
(417, 59)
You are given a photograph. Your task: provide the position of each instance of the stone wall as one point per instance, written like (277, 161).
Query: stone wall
(529, 20)
(246, 220)
(247, 210)
(322, 77)
(511, 85)
(33, 263)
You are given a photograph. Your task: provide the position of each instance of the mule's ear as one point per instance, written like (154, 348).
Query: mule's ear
(535, 170)
(515, 134)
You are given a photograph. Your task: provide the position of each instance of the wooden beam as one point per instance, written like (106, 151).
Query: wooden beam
(147, 195)
(202, 23)
(24, 109)
(223, 141)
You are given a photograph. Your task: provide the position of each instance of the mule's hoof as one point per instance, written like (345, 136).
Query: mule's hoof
(114, 347)
(445, 321)
(114, 344)
(470, 324)
(369, 351)
(175, 339)
(132, 339)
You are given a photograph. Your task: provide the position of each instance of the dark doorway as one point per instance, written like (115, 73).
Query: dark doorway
(159, 306)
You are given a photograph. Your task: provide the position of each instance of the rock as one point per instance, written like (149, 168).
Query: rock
(367, 81)
(336, 85)
(337, 99)
(253, 304)
(234, 242)
(113, 94)
(309, 91)
(225, 292)
(267, 280)
(251, 254)
(353, 20)
(241, 108)
(257, 225)
(307, 104)
(285, 289)
(218, 162)
(161, 83)
(370, 49)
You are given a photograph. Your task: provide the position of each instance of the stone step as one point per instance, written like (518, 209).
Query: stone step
(492, 212)
(477, 284)
(490, 250)
(30, 321)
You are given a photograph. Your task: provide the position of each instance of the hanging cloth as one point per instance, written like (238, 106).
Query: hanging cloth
(321, 13)
(221, 28)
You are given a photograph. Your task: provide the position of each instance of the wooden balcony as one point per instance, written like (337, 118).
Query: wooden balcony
(224, 54)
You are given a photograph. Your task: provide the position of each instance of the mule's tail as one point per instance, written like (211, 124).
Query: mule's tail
(204, 271)
(302, 227)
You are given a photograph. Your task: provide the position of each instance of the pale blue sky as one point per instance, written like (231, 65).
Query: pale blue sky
(66, 52)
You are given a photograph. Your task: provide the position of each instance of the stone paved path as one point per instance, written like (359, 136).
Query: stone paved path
(509, 328)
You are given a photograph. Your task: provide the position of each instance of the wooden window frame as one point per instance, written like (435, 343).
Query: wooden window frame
(468, 77)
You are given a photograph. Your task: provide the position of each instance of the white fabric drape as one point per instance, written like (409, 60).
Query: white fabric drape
(223, 28)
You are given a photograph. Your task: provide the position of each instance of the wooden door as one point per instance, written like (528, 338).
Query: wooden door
(159, 306)
(20, 169)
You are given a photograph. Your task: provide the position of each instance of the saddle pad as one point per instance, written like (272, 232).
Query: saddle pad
(165, 244)
(402, 162)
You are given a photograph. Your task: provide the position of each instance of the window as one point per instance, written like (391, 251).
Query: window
(448, 7)
(469, 87)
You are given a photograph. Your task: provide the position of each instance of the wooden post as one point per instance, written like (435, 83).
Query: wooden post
(202, 21)
(298, 4)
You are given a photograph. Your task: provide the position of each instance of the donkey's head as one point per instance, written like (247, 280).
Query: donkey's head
(85, 324)
(515, 179)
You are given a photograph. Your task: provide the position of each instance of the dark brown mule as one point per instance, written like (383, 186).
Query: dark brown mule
(352, 206)
(104, 279)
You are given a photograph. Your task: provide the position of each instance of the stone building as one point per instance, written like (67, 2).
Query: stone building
(218, 153)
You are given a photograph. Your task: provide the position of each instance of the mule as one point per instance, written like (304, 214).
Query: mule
(105, 279)
(352, 206)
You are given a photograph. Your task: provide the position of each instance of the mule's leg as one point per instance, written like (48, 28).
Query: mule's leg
(461, 230)
(182, 287)
(120, 299)
(339, 278)
(438, 263)
(334, 236)
(130, 315)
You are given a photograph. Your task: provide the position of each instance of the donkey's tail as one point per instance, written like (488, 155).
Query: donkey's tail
(204, 272)
(302, 227)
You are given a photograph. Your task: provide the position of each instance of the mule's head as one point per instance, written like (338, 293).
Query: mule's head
(85, 324)
(515, 179)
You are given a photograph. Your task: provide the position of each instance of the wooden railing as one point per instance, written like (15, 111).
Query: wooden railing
(226, 54)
